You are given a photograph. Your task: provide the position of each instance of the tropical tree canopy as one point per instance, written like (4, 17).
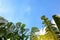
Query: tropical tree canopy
(18, 31)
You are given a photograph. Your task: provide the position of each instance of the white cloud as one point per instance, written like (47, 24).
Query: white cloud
(41, 32)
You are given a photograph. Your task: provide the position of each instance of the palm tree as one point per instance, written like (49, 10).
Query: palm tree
(49, 26)
(57, 21)
(8, 30)
(3, 22)
(22, 31)
(32, 34)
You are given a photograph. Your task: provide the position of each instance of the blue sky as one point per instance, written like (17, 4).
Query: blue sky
(29, 11)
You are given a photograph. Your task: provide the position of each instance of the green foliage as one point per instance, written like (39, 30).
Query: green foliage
(57, 20)
(33, 30)
(14, 32)
(18, 24)
(49, 27)
(19, 31)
